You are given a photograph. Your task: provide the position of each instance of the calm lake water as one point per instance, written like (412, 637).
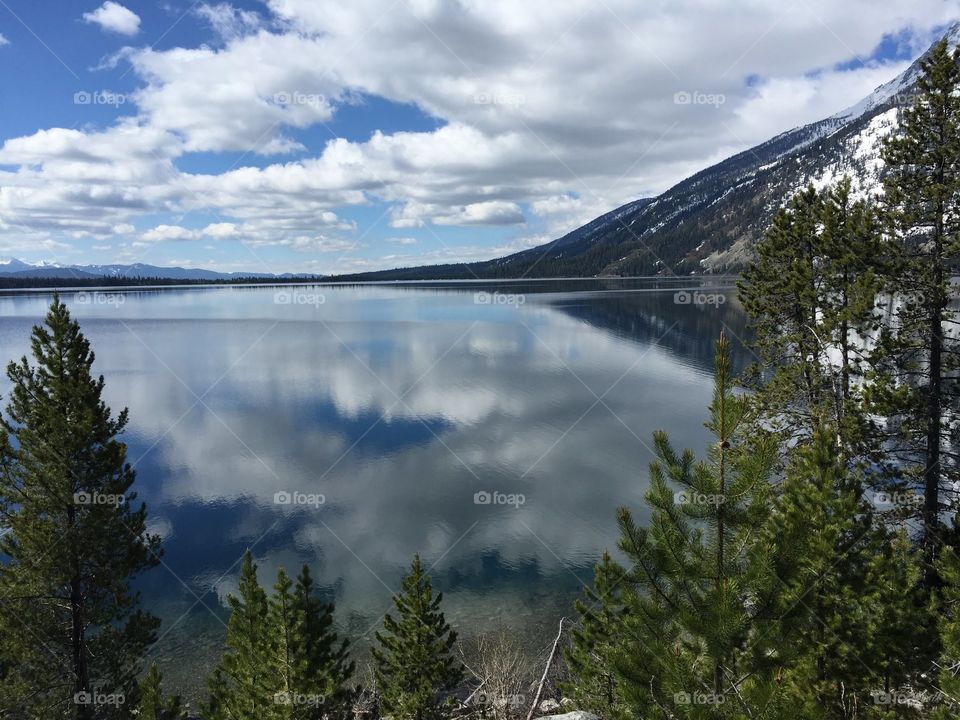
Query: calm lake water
(405, 408)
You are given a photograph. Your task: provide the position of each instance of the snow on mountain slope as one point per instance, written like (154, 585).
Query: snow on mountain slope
(711, 221)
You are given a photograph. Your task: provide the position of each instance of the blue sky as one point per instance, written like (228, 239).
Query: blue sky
(307, 135)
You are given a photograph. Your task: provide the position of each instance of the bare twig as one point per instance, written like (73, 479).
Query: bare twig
(546, 670)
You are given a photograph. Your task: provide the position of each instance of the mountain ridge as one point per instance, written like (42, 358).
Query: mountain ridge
(710, 221)
(14, 268)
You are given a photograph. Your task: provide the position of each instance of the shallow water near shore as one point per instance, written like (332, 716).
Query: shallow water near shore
(493, 428)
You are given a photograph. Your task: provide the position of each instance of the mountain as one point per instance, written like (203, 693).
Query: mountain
(710, 222)
(13, 268)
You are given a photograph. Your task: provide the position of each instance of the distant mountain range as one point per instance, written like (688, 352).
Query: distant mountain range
(711, 221)
(18, 269)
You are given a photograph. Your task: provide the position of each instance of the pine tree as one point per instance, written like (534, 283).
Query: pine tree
(73, 635)
(949, 663)
(781, 294)
(246, 681)
(593, 685)
(811, 297)
(849, 598)
(314, 665)
(415, 667)
(153, 704)
(698, 639)
(849, 246)
(284, 659)
(900, 612)
(921, 194)
(324, 668)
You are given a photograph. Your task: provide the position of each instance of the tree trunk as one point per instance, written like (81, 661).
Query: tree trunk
(931, 471)
(81, 673)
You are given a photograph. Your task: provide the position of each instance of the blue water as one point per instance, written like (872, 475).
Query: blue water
(398, 405)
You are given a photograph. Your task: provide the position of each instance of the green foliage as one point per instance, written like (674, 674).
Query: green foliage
(244, 683)
(849, 602)
(811, 298)
(153, 705)
(284, 660)
(949, 663)
(687, 632)
(921, 194)
(73, 635)
(415, 666)
(591, 655)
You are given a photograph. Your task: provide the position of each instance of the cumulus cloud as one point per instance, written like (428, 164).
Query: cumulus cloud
(114, 17)
(3, 40)
(548, 115)
(227, 21)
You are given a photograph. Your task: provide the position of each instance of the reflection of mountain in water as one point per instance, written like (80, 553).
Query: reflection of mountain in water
(688, 330)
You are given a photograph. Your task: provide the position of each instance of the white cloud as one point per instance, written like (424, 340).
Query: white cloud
(228, 21)
(164, 233)
(550, 114)
(3, 40)
(114, 17)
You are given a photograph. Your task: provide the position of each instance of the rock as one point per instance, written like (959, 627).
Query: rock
(549, 705)
(575, 715)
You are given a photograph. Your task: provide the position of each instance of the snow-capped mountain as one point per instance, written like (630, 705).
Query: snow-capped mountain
(711, 221)
(14, 268)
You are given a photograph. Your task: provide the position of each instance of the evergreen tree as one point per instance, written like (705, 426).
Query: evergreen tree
(849, 602)
(781, 293)
(245, 682)
(898, 645)
(415, 666)
(594, 682)
(698, 637)
(921, 194)
(849, 246)
(811, 297)
(324, 669)
(313, 661)
(949, 664)
(153, 705)
(72, 631)
(284, 659)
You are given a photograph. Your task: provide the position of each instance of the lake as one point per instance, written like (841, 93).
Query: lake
(493, 428)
